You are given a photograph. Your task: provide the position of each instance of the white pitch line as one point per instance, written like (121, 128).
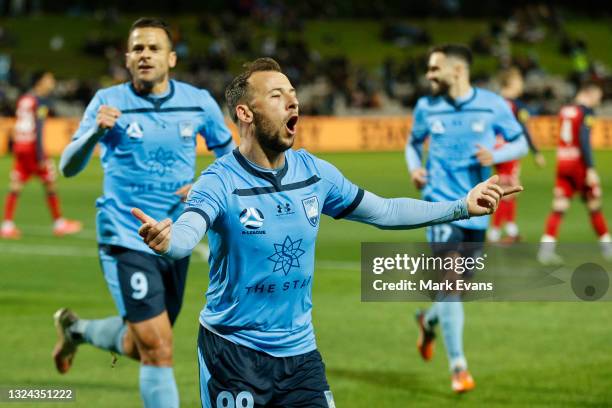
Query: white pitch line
(83, 252)
(41, 232)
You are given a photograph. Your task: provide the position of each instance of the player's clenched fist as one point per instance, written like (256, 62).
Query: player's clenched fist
(155, 234)
(419, 177)
(484, 198)
(107, 116)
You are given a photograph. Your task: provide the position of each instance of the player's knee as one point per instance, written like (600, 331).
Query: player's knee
(15, 186)
(50, 187)
(560, 204)
(155, 350)
(129, 346)
(593, 204)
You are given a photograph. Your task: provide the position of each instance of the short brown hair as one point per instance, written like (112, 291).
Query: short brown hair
(237, 91)
(460, 51)
(152, 22)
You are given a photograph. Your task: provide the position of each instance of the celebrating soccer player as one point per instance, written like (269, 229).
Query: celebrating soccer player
(261, 206)
(505, 216)
(576, 173)
(30, 158)
(461, 122)
(147, 129)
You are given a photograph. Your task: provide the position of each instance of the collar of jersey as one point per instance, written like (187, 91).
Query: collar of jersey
(458, 104)
(156, 102)
(274, 179)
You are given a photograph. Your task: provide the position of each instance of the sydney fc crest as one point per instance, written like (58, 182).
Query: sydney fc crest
(186, 129)
(311, 208)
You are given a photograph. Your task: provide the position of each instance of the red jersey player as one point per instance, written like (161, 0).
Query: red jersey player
(512, 88)
(576, 172)
(30, 159)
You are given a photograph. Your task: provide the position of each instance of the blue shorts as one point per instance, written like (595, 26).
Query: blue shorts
(143, 285)
(449, 238)
(232, 375)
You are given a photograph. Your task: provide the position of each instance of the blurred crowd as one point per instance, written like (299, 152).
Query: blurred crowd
(328, 85)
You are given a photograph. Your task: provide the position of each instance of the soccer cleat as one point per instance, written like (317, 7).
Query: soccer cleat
(462, 381)
(9, 231)
(66, 227)
(66, 346)
(550, 258)
(427, 336)
(509, 240)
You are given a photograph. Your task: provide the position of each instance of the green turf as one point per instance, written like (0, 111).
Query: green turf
(521, 354)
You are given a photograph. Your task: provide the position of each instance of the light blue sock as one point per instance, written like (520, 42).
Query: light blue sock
(106, 334)
(451, 317)
(158, 387)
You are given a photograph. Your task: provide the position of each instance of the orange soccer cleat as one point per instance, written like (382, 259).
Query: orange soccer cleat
(66, 227)
(9, 231)
(427, 336)
(462, 381)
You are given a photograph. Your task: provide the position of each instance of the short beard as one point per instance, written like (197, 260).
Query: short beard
(268, 137)
(442, 90)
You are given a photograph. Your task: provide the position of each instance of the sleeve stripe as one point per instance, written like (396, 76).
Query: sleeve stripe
(514, 137)
(221, 145)
(202, 213)
(353, 205)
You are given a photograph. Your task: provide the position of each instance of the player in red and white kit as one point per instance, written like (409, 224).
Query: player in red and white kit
(30, 159)
(509, 172)
(576, 173)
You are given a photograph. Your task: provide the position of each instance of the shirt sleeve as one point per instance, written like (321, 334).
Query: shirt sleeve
(207, 197)
(413, 152)
(342, 195)
(406, 213)
(214, 130)
(505, 123)
(78, 152)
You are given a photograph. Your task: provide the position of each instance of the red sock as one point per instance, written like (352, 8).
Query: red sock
(553, 222)
(54, 207)
(511, 211)
(10, 205)
(500, 216)
(599, 223)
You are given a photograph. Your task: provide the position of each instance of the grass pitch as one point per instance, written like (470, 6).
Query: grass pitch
(521, 354)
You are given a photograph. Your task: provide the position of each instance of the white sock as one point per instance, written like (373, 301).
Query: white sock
(8, 224)
(512, 229)
(494, 234)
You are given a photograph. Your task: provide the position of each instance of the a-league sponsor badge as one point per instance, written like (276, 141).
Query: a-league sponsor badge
(134, 130)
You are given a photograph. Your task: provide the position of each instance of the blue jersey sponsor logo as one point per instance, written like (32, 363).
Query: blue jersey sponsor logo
(161, 161)
(287, 255)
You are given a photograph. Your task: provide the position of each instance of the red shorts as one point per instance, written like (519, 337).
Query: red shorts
(571, 179)
(509, 173)
(27, 165)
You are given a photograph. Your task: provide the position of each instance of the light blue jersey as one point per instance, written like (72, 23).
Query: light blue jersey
(454, 129)
(148, 154)
(262, 232)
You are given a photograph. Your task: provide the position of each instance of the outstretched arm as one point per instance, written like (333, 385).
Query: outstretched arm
(174, 240)
(407, 213)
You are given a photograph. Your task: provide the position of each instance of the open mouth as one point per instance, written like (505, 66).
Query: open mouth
(291, 124)
(145, 68)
